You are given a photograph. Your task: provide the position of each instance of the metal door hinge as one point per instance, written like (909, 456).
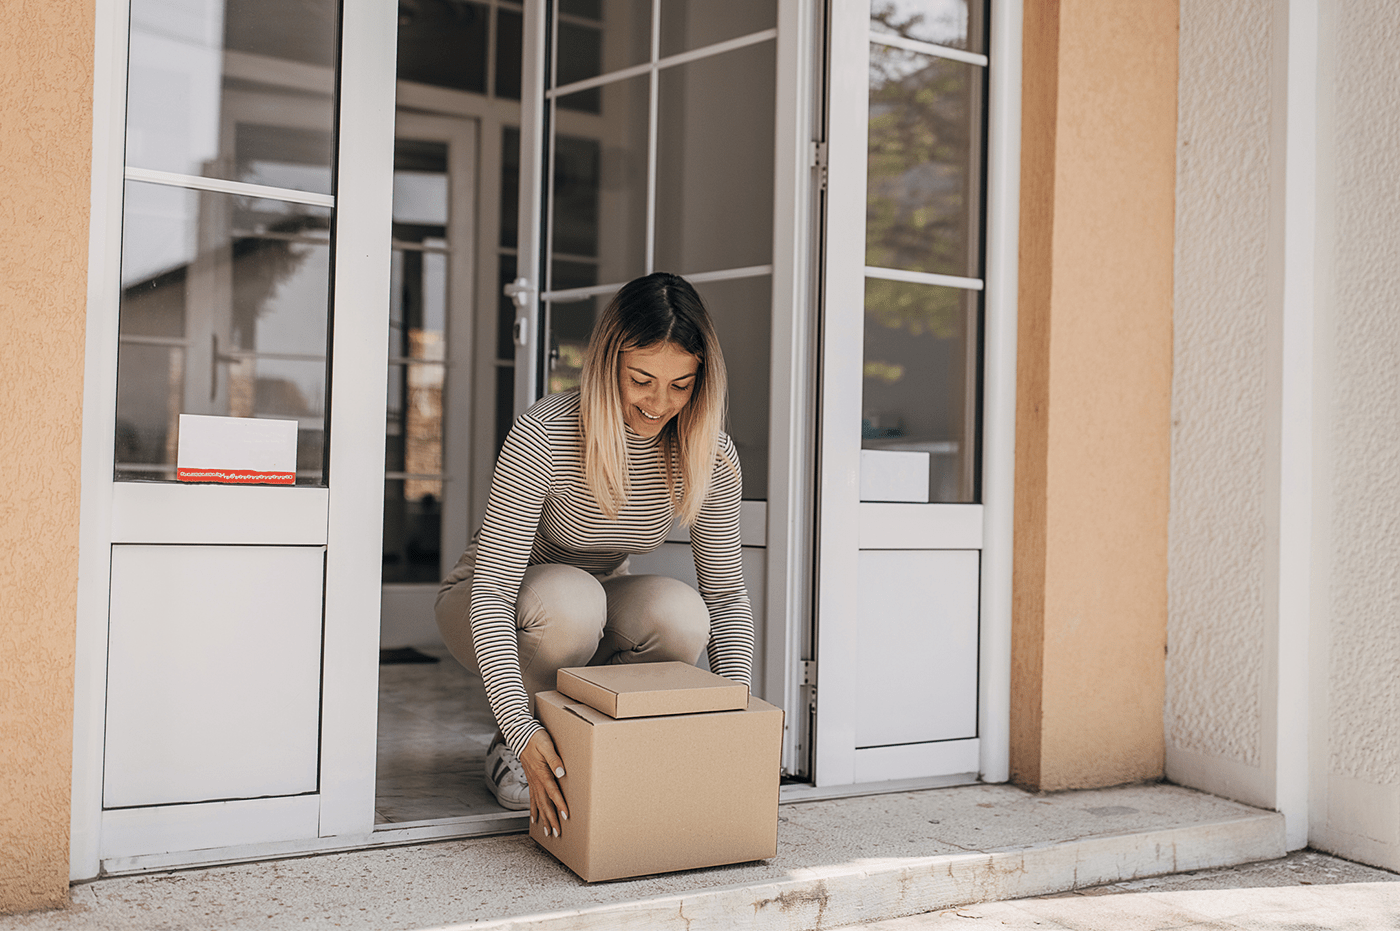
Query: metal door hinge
(819, 163)
(809, 672)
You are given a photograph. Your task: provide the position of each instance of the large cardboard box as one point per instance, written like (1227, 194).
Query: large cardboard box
(664, 792)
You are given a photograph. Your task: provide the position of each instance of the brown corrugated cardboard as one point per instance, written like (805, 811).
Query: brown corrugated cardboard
(657, 794)
(643, 690)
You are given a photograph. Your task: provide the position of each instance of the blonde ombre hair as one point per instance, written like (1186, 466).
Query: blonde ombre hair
(658, 308)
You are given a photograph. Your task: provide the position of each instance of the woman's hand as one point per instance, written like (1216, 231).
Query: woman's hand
(542, 767)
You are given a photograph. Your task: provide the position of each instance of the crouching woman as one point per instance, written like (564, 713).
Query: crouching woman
(586, 479)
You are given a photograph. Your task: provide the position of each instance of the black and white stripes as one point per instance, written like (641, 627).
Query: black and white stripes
(541, 511)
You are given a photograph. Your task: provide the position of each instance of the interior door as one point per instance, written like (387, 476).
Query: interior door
(429, 429)
(248, 438)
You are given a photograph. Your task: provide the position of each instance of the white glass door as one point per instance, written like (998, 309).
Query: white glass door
(240, 638)
(900, 630)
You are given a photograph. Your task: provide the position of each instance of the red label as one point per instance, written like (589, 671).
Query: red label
(237, 476)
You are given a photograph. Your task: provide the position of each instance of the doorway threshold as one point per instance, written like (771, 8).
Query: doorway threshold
(511, 822)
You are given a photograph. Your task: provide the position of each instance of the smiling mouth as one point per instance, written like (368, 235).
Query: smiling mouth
(649, 416)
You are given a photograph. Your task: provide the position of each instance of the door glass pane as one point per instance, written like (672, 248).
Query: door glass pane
(443, 42)
(509, 32)
(570, 323)
(577, 181)
(919, 406)
(924, 197)
(510, 185)
(714, 190)
(235, 89)
(599, 205)
(413, 447)
(954, 23)
(742, 309)
(692, 24)
(599, 37)
(224, 310)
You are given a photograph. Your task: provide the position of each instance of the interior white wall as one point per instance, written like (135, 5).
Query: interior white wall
(1226, 261)
(1356, 742)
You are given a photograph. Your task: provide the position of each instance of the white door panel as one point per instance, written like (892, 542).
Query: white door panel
(146, 835)
(917, 646)
(885, 526)
(150, 512)
(213, 673)
(915, 761)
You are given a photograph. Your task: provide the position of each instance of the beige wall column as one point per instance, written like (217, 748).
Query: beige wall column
(1093, 392)
(45, 146)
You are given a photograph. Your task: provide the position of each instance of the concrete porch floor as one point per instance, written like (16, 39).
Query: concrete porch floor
(840, 862)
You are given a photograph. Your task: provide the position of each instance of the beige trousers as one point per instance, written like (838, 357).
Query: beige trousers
(565, 616)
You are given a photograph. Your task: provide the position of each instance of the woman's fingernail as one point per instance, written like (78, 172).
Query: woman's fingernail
(556, 832)
(559, 771)
(565, 814)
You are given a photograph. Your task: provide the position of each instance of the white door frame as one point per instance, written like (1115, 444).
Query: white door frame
(846, 525)
(351, 513)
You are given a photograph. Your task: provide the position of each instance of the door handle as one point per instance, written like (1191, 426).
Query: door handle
(520, 291)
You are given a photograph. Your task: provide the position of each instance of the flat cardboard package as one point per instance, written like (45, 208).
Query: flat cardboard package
(643, 690)
(664, 792)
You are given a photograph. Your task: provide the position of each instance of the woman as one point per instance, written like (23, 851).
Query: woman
(584, 480)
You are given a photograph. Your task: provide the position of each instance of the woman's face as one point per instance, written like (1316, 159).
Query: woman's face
(655, 382)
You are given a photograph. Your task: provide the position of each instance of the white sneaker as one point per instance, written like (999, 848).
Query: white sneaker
(505, 777)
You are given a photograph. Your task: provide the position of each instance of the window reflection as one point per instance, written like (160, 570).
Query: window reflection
(954, 23)
(923, 202)
(443, 42)
(918, 408)
(742, 309)
(224, 310)
(714, 189)
(598, 191)
(692, 24)
(596, 37)
(240, 90)
(418, 363)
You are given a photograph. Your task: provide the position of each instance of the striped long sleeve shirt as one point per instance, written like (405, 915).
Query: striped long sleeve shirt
(541, 511)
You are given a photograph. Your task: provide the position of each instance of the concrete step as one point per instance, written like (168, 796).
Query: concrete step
(840, 862)
(880, 888)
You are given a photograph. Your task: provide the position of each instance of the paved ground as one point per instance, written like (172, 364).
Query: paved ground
(839, 862)
(1305, 891)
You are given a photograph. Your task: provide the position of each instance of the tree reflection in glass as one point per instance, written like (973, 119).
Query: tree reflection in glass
(923, 196)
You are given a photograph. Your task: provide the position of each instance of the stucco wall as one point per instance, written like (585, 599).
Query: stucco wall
(1360, 760)
(1093, 392)
(45, 142)
(1226, 257)
(1223, 706)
